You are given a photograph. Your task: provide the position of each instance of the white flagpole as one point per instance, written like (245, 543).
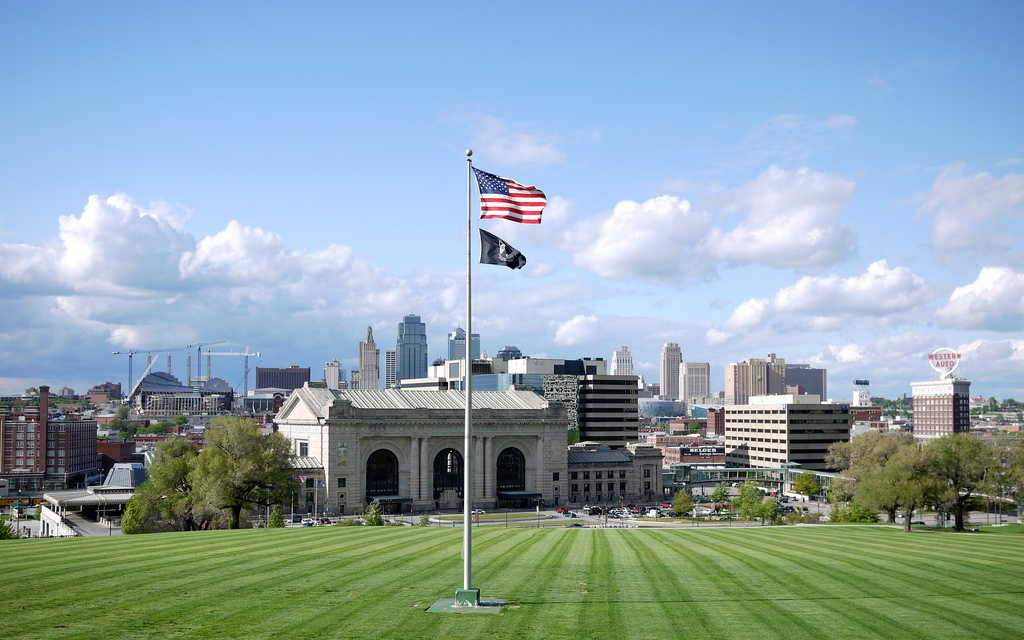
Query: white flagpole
(467, 471)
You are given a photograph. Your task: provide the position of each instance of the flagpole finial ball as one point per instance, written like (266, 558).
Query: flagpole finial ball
(469, 152)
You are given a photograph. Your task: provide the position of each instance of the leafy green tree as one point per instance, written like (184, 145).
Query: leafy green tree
(424, 519)
(682, 502)
(807, 484)
(134, 519)
(276, 518)
(748, 503)
(770, 511)
(962, 464)
(8, 531)
(180, 420)
(693, 427)
(169, 493)
(860, 463)
(240, 467)
(721, 493)
(374, 515)
(573, 436)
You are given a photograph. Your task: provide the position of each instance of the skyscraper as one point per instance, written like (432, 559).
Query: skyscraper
(369, 363)
(390, 368)
(509, 352)
(457, 345)
(671, 359)
(411, 348)
(695, 382)
(754, 377)
(334, 374)
(622, 363)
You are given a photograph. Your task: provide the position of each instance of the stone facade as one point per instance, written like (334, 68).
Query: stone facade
(406, 448)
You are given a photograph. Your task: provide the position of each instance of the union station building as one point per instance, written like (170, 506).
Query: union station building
(404, 448)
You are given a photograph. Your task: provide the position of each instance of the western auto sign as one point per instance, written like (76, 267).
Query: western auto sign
(944, 360)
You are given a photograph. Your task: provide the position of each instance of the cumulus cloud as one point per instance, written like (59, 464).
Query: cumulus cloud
(880, 292)
(971, 211)
(994, 301)
(652, 240)
(792, 221)
(577, 330)
(518, 143)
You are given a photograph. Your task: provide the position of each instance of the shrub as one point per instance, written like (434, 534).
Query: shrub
(424, 519)
(276, 518)
(373, 517)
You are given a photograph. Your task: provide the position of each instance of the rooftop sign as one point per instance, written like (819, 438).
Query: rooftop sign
(944, 360)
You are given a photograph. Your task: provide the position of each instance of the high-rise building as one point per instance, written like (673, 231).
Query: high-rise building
(369, 363)
(334, 374)
(390, 368)
(695, 382)
(943, 404)
(771, 430)
(622, 363)
(457, 345)
(814, 381)
(507, 353)
(280, 378)
(754, 377)
(861, 393)
(608, 409)
(671, 359)
(412, 348)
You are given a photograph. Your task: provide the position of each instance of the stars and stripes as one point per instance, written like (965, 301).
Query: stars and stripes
(506, 198)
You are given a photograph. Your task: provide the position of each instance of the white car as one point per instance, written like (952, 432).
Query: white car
(478, 512)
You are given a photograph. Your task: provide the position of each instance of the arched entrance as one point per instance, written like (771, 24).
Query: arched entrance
(448, 479)
(511, 478)
(382, 478)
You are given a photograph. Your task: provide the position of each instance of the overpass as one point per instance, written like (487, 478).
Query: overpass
(686, 476)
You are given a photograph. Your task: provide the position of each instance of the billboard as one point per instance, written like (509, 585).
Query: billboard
(944, 360)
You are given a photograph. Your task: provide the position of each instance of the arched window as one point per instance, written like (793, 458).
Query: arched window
(511, 474)
(448, 472)
(381, 474)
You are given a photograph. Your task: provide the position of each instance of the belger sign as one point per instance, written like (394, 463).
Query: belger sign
(944, 360)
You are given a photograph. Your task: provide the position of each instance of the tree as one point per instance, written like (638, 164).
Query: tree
(169, 491)
(807, 484)
(134, 519)
(682, 502)
(860, 462)
(240, 467)
(373, 516)
(770, 511)
(693, 426)
(962, 465)
(8, 531)
(748, 503)
(721, 493)
(276, 518)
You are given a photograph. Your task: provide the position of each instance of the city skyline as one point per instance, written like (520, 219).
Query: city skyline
(841, 186)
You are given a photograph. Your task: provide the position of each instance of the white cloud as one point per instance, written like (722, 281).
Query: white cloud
(971, 211)
(580, 329)
(881, 292)
(653, 240)
(241, 255)
(792, 221)
(994, 301)
(519, 143)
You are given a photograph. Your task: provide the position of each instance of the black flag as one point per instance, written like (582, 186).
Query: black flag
(494, 250)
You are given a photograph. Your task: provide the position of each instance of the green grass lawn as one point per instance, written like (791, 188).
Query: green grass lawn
(376, 582)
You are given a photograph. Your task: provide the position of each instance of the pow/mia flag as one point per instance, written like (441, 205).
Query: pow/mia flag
(494, 250)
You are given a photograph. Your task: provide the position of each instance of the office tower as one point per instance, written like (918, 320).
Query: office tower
(292, 377)
(457, 345)
(334, 374)
(608, 409)
(695, 382)
(942, 405)
(772, 430)
(622, 363)
(754, 377)
(508, 352)
(814, 381)
(671, 358)
(369, 362)
(411, 348)
(390, 368)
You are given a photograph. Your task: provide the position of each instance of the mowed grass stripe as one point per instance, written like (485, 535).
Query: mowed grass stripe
(374, 582)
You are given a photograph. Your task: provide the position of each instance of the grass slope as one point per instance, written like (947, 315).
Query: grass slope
(375, 582)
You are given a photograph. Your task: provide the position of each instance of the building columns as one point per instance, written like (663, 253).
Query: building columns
(414, 476)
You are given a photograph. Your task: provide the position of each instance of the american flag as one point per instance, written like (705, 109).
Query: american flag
(506, 198)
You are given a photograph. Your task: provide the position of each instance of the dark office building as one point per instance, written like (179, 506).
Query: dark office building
(276, 378)
(813, 381)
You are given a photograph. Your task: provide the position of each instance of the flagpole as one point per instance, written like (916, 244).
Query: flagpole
(468, 596)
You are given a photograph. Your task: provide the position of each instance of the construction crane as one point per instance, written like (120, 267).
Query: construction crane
(199, 358)
(149, 352)
(246, 354)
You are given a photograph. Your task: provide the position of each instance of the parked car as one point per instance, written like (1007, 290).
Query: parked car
(561, 510)
(307, 522)
(478, 512)
(296, 518)
(325, 521)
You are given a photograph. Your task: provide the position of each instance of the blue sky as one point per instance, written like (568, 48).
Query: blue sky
(841, 186)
